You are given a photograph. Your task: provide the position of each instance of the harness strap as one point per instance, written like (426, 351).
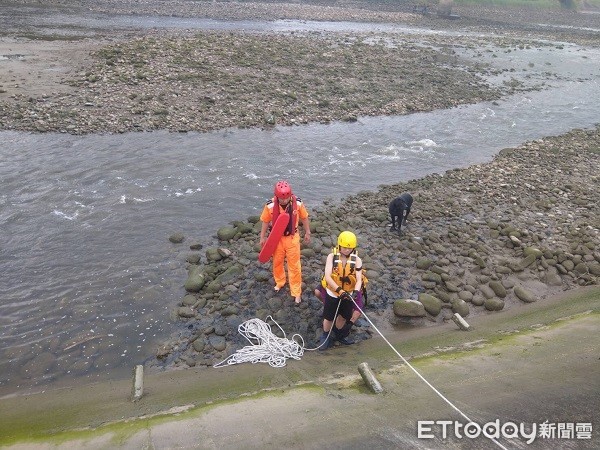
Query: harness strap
(292, 210)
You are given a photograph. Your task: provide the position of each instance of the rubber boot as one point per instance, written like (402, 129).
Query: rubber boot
(342, 337)
(325, 342)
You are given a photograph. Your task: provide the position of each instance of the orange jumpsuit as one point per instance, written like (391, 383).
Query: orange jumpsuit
(287, 248)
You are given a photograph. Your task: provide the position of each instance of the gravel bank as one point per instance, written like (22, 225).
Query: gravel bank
(148, 79)
(218, 80)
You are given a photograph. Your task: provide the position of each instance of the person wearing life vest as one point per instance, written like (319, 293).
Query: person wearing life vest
(288, 248)
(343, 275)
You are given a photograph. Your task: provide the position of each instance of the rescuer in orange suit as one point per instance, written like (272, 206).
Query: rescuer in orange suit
(288, 247)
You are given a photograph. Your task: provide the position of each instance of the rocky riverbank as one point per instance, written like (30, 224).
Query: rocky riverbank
(141, 79)
(481, 239)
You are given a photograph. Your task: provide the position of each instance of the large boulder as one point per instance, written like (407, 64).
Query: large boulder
(177, 238)
(409, 308)
(226, 233)
(524, 295)
(433, 305)
(195, 280)
(498, 288)
(494, 304)
(532, 251)
(232, 273)
(212, 254)
(460, 307)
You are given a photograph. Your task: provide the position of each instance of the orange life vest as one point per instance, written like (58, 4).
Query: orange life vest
(292, 210)
(344, 275)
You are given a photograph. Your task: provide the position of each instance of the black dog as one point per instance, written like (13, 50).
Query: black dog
(400, 209)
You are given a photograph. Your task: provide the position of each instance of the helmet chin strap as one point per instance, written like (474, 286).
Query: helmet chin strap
(341, 253)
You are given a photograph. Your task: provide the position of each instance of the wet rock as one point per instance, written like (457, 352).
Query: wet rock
(479, 261)
(226, 233)
(524, 295)
(409, 308)
(188, 300)
(224, 252)
(487, 291)
(213, 287)
(220, 329)
(460, 307)
(433, 277)
(494, 304)
(443, 295)
(262, 275)
(213, 255)
(244, 228)
(452, 285)
(231, 274)
(498, 289)
(515, 240)
(193, 258)
(38, 366)
(217, 342)
(478, 300)
(230, 311)
(200, 303)
(275, 303)
(527, 261)
(163, 351)
(186, 312)
(503, 270)
(424, 263)
(466, 296)
(199, 345)
(527, 251)
(196, 280)
(552, 278)
(433, 305)
(177, 238)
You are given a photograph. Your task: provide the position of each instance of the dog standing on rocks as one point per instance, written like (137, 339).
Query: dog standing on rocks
(400, 209)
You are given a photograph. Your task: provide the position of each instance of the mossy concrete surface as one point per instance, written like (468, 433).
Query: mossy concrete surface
(534, 363)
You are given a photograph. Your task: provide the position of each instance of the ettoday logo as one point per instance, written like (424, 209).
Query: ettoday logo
(429, 429)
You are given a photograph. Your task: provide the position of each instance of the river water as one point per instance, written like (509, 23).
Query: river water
(88, 274)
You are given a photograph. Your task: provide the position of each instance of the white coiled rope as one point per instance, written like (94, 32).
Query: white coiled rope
(266, 346)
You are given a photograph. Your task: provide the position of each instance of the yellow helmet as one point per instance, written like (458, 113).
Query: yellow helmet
(347, 239)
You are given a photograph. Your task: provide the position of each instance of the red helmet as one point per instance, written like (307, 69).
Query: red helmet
(283, 190)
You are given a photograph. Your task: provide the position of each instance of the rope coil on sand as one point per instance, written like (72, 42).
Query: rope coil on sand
(265, 346)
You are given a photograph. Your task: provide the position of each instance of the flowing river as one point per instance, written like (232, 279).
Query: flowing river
(89, 276)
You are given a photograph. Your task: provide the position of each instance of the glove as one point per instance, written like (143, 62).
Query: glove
(345, 296)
